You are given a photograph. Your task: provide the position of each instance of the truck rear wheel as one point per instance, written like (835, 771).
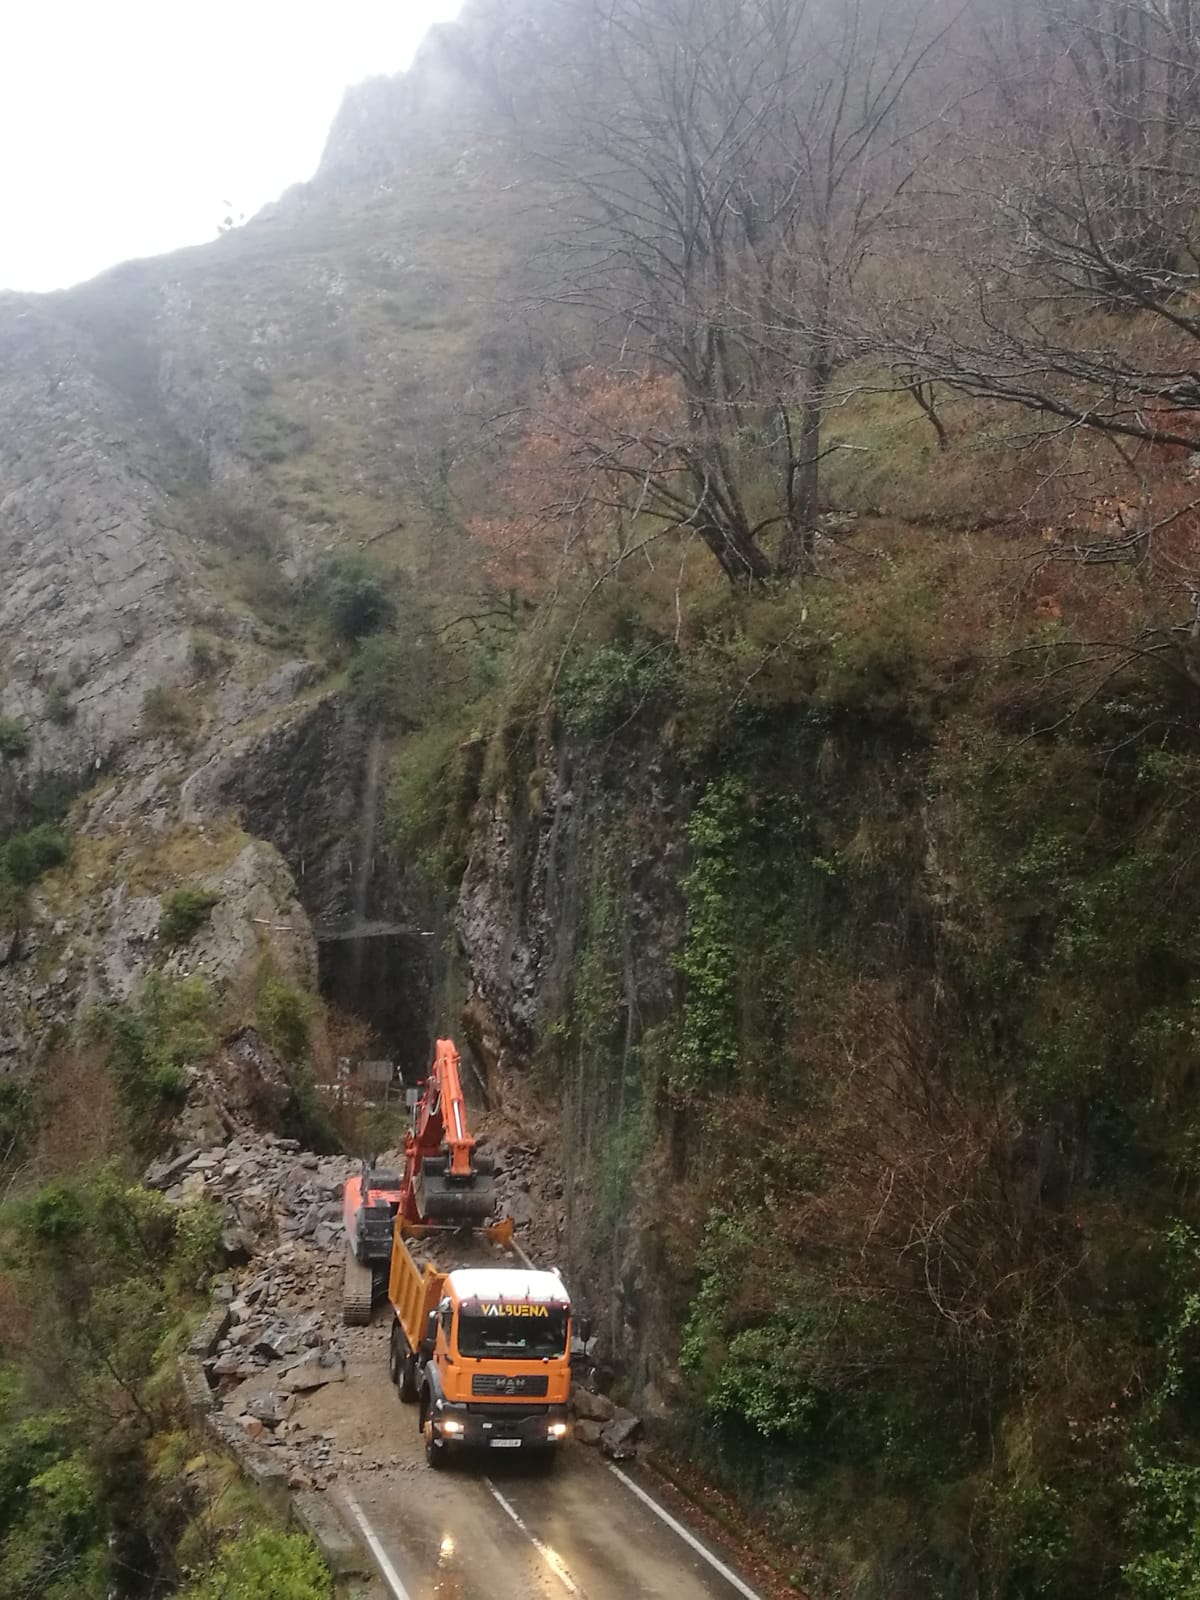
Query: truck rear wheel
(408, 1377)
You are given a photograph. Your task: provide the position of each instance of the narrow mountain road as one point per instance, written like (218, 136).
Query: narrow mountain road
(315, 1399)
(494, 1530)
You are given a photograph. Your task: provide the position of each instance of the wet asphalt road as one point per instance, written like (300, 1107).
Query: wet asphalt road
(493, 1531)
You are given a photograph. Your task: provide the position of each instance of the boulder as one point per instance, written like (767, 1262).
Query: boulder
(618, 1435)
(162, 1174)
(272, 1408)
(588, 1432)
(592, 1407)
(311, 1375)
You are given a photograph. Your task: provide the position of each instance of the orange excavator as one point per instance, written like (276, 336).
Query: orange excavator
(445, 1184)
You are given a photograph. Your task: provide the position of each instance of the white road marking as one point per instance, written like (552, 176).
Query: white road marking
(688, 1537)
(390, 1576)
(552, 1560)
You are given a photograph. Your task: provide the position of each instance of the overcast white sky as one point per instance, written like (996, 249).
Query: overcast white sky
(130, 127)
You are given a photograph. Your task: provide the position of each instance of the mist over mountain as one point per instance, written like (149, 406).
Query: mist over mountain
(674, 560)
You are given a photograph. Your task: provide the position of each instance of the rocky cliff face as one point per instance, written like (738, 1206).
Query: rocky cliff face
(569, 917)
(94, 594)
(467, 80)
(183, 443)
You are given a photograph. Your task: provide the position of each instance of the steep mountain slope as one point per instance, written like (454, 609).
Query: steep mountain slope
(836, 935)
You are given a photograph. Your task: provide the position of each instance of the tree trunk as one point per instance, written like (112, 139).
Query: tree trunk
(739, 558)
(804, 476)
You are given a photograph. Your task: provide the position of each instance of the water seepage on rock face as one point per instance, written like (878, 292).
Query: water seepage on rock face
(314, 788)
(382, 972)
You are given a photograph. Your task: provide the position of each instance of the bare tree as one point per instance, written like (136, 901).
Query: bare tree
(1078, 259)
(730, 164)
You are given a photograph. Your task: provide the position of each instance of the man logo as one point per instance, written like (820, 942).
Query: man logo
(511, 1385)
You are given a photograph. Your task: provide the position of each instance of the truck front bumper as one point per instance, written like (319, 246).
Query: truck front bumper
(500, 1427)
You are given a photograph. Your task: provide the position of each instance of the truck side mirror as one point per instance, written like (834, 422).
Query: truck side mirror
(430, 1339)
(583, 1328)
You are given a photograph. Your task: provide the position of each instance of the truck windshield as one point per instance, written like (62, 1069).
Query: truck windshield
(512, 1337)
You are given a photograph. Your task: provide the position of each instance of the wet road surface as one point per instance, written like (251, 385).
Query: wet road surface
(496, 1531)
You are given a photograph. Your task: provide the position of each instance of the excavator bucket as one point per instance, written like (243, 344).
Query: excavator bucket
(455, 1202)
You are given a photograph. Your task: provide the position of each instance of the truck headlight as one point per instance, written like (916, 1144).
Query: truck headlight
(451, 1425)
(557, 1430)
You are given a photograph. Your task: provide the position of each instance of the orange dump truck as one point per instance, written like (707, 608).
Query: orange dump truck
(483, 1348)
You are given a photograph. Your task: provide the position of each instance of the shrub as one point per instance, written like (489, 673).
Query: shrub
(602, 691)
(166, 712)
(16, 1117)
(150, 1045)
(58, 703)
(285, 1017)
(55, 1214)
(202, 657)
(14, 738)
(26, 856)
(265, 1565)
(357, 597)
(184, 913)
(398, 680)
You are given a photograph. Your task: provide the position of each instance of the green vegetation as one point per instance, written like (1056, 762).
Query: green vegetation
(86, 1492)
(265, 1565)
(167, 713)
(24, 858)
(357, 598)
(708, 1046)
(205, 656)
(601, 691)
(841, 877)
(59, 707)
(150, 1043)
(398, 679)
(184, 913)
(14, 739)
(16, 1118)
(284, 1014)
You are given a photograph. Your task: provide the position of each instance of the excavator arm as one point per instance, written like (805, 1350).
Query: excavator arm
(445, 1182)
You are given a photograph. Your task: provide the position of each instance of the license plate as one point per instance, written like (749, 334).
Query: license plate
(506, 1444)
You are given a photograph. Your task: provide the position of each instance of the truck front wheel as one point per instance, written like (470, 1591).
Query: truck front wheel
(435, 1454)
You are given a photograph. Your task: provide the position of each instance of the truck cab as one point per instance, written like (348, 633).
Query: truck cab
(495, 1363)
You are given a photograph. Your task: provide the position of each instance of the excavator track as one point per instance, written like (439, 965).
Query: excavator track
(358, 1292)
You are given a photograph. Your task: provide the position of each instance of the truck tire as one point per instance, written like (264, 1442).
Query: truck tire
(394, 1355)
(435, 1454)
(408, 1377)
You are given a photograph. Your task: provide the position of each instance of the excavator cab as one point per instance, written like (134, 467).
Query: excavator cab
(370, 1202)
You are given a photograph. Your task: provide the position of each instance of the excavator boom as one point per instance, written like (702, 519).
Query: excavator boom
(445, 1182)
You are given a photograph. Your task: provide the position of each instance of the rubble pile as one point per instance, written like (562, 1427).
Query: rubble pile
(282, 1337)
(264, 1184)
(282, 1222)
